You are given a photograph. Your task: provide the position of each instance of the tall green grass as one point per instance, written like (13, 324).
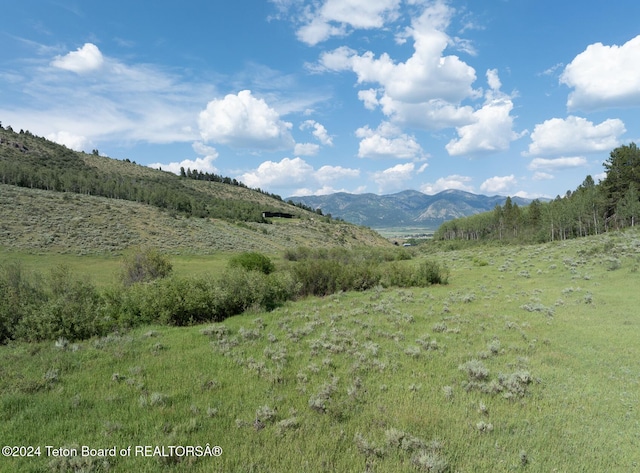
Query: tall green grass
(525, 363)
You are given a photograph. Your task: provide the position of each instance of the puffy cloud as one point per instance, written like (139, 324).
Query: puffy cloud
(431, 115)
(85, 59)
(604, 76)
(369, 98)
(291, 173)
(498, 184)
(454, 181)
(396, 177)
(288, 172)
(333, 17)
(328, 174)
(425, 76)
(204, 164)
(425, 91)
(491, 131)
(492, 128)
(201, 148)
(558, 163)
(319, 132)
(558, 136)
(70, 140)
(387, 142)
(243, 121)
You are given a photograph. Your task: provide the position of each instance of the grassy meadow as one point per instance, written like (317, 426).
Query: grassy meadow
(526, 361)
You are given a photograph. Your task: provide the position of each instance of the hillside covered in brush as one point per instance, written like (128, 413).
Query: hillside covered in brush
(53, 198)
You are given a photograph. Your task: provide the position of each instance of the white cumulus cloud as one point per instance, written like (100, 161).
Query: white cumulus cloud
(492, 126)
(244, 121)
(454, 181)
(85, 59)
(574, 135)
(425, 91)
(319, 132)
(70, 140)
(387, 141)
(293, 173)
(334, 17)
(604, 76)
(396, 177)
(498, 184)
(204, 164)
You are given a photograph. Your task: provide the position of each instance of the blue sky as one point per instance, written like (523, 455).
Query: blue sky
(298, 97)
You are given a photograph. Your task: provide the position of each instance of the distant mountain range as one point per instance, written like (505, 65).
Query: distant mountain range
(405, 209)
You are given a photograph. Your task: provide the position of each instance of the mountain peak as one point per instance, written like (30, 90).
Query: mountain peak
(405, 208)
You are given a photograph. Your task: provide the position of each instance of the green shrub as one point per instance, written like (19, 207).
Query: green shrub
(397, 275)
(431, 272)
(252, 261)
(71, 311)
(317, 277)
(20, 294)
(144, 266)
(186, 301)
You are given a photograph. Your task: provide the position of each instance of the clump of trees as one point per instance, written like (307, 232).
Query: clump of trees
(613, 203)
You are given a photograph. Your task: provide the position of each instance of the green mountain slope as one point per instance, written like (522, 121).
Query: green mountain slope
(52, 198)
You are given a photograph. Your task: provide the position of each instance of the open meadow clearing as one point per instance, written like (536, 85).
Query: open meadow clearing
(526, 361)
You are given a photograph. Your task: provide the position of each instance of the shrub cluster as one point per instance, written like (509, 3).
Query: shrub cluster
(63, 306)
(252, 261)
(144, 266)
(60, 305)
(321, 271)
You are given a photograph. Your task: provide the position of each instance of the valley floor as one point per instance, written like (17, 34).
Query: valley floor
(527, 360)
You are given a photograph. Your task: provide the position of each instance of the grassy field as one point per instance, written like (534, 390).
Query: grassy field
(526, 361)
(105, 270)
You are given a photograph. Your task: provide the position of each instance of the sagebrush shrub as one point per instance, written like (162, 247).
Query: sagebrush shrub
(252, 261)
(70, 309)
(144, 266)
(20, 294)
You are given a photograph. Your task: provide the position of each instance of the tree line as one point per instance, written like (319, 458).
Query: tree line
(30, 161)
(613, 203)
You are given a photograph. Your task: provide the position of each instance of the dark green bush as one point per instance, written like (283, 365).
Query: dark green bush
(252, 261)
(397, 275)
(185, 301)
(71, 310)
(144, 266)
(424, 274)
(20, 294)
(431, 272)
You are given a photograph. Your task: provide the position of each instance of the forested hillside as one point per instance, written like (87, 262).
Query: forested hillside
(613, 203)
(56, 199)
(34, 162)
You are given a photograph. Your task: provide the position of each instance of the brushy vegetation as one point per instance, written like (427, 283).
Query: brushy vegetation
(34, 220)
(47, 307)
(252, 261)
(458, 377)
(145, 266)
